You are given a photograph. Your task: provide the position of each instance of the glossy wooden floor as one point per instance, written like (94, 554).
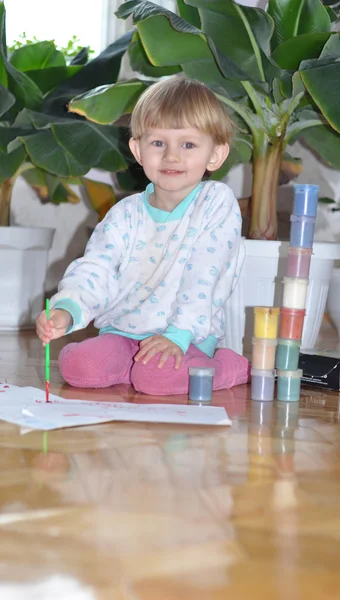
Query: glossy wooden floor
(159, 512)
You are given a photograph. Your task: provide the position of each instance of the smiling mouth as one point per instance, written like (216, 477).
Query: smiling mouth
(171, 172)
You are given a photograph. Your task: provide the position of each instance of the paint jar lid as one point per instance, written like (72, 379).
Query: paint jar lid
(270, 310)
(305, 187)
(202, 371)
(291, 374)
(297, 281)
(264, 341)
(300, 251)
(302, 219)
(262, 373)
(293, 312)
(287, 342)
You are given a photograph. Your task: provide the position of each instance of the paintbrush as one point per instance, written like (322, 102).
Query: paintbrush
(47, 356)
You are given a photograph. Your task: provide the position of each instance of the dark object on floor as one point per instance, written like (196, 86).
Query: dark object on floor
(321, 369)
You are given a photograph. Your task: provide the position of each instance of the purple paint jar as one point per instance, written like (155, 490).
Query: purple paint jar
(298, 263)
(302, 231)
(305, 200)
(262, 385)
(201, 383)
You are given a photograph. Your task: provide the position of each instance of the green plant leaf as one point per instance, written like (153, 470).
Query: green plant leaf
(41, 55)
(44, 152)
(48, 187)
(140, 62)
(63, 192)
(332, 14)
(81, 58)
(10, 162)
(332, 47)
(126, 9)
(29, 119)
(250, 118)
(167, 46)
(132, 179)
(48, 79)
(326, 200)
(7, 100)
(291, 52)
(168, 40)
(3, 46)
(102, 70)
(108, 103)
(27, 94)
(8, 135)
(306, 119)
(100, 145)
(295, 17)
(325, 143)
(323, 85)
(189, 13)
(249, 30)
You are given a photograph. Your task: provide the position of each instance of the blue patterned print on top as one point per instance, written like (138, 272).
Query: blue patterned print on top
(183, 295)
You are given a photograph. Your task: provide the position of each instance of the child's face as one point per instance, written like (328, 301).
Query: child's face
(175, 160)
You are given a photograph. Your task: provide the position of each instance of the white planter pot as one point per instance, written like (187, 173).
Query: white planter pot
(260, 284)
(333, 302)
(23, 264)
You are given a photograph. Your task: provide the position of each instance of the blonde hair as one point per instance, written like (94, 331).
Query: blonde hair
(178, 103)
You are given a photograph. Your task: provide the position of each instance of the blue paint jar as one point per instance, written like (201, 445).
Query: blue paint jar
(288, 385)
(302, 231)
(262, 385)
(201, 383)
(287, 354)
(305, 200)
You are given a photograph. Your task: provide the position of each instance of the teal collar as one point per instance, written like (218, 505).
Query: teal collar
(161, 216)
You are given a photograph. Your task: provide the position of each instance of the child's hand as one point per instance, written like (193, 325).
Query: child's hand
(55, 327)
(158, 344)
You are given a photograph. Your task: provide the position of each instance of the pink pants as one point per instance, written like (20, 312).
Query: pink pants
(107, 360)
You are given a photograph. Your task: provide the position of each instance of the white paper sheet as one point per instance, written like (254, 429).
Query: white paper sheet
(26, 406)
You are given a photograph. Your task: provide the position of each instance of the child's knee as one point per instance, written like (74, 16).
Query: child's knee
(150, 379)
(145, 378)
(70, 362)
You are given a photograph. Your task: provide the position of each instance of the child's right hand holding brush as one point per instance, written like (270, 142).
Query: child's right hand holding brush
(54, 327)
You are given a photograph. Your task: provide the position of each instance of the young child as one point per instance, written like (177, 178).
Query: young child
(159, 268)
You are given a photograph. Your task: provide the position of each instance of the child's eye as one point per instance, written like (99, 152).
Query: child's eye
(158, 144)
(188, 145)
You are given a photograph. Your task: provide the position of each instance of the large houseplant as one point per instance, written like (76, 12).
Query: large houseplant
(51, 148)
(39, 138)
(277, 71)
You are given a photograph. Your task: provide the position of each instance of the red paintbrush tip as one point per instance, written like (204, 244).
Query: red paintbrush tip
(47, 391)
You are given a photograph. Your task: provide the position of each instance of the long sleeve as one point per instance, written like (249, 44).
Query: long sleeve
(91, 282)
(210, 275)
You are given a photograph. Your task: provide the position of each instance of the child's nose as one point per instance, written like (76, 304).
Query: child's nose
(171, 154)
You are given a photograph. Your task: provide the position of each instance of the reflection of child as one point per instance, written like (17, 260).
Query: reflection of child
(159, 268)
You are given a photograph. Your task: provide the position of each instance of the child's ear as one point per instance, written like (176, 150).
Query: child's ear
(135, 149)
(218, 157)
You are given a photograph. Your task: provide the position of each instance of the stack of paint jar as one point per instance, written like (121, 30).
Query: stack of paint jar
(295, 285)
(266, 320)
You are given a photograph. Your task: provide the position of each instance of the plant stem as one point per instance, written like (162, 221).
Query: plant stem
(266, 170)
(5, 200)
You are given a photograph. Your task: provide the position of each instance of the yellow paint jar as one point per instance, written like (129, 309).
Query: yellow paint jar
(266, 322)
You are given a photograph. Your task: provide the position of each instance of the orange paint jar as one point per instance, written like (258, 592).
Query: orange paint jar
(263, 353)
(291, 323)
